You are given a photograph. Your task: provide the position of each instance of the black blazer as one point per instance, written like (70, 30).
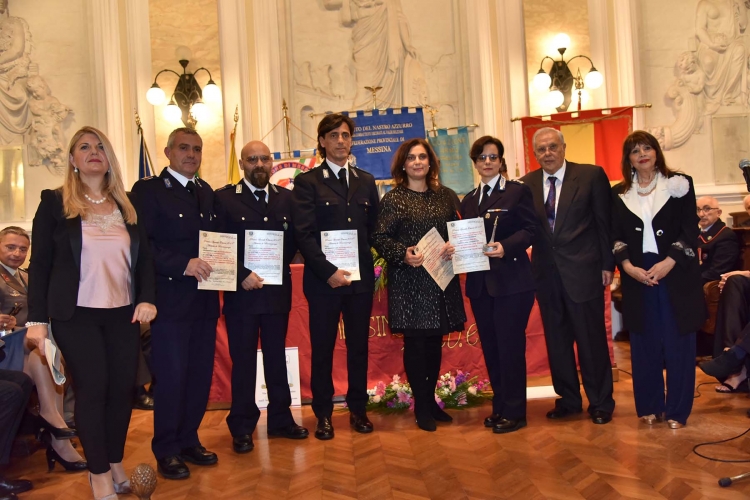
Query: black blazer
(580, 249)
(173, 219)
(517, 224)
(55, 267)
(320, 204)
(675, 225)
(238, 210)
(719, 251)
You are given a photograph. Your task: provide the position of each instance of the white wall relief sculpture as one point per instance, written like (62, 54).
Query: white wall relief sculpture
(29, 114)
(713, 75)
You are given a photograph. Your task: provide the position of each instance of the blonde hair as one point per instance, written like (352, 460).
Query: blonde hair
(74, 204)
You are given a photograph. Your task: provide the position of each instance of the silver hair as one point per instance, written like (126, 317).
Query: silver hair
(545, 130)
(184, 130)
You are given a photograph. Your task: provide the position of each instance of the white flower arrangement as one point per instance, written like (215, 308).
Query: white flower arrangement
(678, 186)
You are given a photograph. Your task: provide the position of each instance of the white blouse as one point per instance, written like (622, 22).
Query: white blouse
(649, 238)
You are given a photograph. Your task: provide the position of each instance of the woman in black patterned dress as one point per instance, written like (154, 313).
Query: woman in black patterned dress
(417, 307)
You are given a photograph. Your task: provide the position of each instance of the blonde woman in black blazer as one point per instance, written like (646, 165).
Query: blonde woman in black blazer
(655, 228)
(92, 276)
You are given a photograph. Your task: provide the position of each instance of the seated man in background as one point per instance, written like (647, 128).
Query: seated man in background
(746, 204)
(718, 247)
(15, 388)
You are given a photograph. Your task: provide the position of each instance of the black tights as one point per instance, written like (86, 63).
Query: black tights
(422, 356)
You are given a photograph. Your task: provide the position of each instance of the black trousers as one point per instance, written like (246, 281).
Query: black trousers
(422, 357)
(733, 315)
(145, 366)
(15, 388)
(183, 357)
(243, 331)
(501, 322)
(325, 311)
(100, 347)
(566, 322)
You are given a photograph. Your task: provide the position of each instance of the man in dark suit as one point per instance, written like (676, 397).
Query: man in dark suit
(15, 388)
(718, 247)
(572, 262)
(175, 207)
(255, 204)
(336, 196)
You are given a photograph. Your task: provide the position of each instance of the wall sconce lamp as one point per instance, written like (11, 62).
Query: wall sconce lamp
(560, 80)
(186, 101)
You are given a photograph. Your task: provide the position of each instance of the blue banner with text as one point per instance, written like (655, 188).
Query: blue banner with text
(456, 168)
(379, 133)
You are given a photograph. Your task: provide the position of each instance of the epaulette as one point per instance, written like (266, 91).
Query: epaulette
(517, 181)
(149, 178)
(225, 187)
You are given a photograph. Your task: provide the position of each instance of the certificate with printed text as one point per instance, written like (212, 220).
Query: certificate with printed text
(468, 237)
(219, 250)
(341, 249)
(440, 270)
(264, 255)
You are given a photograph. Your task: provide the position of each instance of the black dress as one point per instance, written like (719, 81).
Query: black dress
(416, 304)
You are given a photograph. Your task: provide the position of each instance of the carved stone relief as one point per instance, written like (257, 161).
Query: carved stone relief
(29, 113)
(712, 75)
(412, 50)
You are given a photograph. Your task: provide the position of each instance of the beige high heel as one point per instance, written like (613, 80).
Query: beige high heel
(651, 419)
(674, 424)
(123, 488)
(111, 496)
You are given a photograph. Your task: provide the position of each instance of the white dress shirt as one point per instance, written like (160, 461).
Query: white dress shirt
(180, 178)
(336, 169)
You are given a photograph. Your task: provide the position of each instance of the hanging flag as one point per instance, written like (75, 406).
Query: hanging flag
(144, 159)
(456, 169)
(284, 170)
(233, 172)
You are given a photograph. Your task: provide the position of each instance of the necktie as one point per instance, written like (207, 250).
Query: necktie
(261, 198)
(549, 205)
(342, 179)
(485, 195)
(190, 186)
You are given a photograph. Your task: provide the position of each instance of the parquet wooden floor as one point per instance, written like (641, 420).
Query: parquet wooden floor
(561, 460)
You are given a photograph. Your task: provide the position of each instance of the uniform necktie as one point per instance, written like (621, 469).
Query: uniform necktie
(342, 179)
(549, 205)
(485, 194)
(261, 198)
(190, 186)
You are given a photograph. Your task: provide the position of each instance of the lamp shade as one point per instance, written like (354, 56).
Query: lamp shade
(199, 110)
(555, 98)
(561, 41)
(211, 92)
(542, 80)
(593, 79)
(155, 95)
(172, 112)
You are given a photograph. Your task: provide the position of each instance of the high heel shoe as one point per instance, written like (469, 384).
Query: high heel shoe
(58, 432)
(53, 456)
(123, 488)
(111, 496)
(674, 424)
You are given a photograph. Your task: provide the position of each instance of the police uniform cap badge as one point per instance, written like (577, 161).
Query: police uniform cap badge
(326, 175)
(238, 189)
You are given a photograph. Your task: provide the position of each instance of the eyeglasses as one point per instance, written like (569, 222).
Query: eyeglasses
(492, 158)
(701, 210)
(254, 159)
(543, 149)
(421, 156)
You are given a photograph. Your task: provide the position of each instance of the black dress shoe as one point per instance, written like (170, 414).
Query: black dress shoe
(360, 422)
(8, 496)
(439, 414)
(601, 417)
(198, 455)
(13, 486)
(172, 467)
(53, 457)
(722, 367)
(557, 413)
(505, 425)
(324, 429)
(291, 431)
(243, 443)
(143, 402)
(58, 432)
(492, 420)
(427, 424)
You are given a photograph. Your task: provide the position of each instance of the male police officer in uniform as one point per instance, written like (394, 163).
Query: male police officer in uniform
(255, 204)
(718, 247)
(336, 196)
(175, 207)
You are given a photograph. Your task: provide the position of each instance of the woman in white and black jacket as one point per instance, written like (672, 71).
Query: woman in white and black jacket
(654, 228)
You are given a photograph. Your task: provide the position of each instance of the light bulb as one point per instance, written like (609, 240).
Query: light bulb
(561, 41)
(199, 111)
(555, 98)
(542, 80)
(155, 95)
(172, 112)
(593, 79)
(183, 53)
(211, 92)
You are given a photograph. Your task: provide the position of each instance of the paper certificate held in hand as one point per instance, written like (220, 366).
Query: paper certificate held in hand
(219, 250)
(264, 255)
(440, 270)
(341, 249)
(469, 239)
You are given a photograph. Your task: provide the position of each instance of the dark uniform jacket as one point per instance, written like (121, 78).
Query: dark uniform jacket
(13, 291)
(321, 204)
(173, 219)
(55, 267)
(719, 251)
(238, 210)
(580, 249)
(517, 224)
(675, 225)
